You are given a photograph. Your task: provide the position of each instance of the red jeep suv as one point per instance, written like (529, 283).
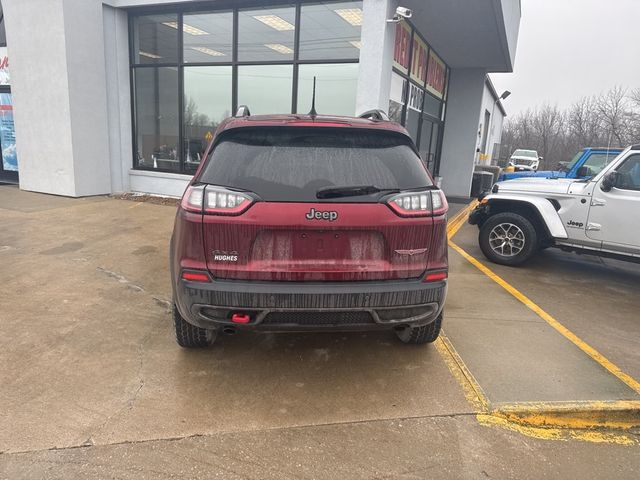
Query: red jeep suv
(309, 222)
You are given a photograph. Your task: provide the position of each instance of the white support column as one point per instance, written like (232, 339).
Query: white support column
(464, 102)
(376, 55)
(58, 82)
(116, 39)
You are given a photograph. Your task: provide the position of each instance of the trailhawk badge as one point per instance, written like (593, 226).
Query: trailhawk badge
(415, 251)
(318, 215)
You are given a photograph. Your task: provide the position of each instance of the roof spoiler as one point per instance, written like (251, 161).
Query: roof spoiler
(375, 114)
(243, 111)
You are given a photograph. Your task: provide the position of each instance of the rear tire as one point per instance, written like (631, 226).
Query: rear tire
(508, 239)
(423, 334)
(190, 336)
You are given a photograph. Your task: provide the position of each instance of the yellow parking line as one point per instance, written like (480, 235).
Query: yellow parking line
(470, 386)
(580, 420)
(564, 331)
(458, 220)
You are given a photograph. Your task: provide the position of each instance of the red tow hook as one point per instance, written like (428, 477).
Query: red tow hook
(240, 318)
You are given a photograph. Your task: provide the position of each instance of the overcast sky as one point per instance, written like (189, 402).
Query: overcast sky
(571, 48)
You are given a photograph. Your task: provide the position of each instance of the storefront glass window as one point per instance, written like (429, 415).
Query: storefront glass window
(156, 117)
(208, 37)
(418, 92)
(397, 97)
(207, 101)
(193, 68)
(432, 106)
(155, 39)
(265, 88)
(336, 85)
(266, 34)
(330, 30)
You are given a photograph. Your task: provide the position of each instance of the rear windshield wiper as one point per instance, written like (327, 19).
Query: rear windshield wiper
(358, 190)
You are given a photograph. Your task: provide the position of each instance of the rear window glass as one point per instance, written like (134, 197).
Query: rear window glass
(290, 164)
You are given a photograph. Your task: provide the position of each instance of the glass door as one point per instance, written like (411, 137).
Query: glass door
(428, 143)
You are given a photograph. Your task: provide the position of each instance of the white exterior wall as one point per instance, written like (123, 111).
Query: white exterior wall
(376, 55)
(58, 86)
(464, 101)
(116, 42)
(495, 125)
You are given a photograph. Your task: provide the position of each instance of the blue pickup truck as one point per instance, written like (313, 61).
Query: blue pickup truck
(588, 162)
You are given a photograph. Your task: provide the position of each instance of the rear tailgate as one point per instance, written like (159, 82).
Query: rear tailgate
(278, 242)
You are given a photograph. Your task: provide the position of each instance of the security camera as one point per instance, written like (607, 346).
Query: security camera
(401, 13)
(404, 12)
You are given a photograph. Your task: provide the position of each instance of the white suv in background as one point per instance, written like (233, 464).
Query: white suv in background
(598, 215)
(525, 160)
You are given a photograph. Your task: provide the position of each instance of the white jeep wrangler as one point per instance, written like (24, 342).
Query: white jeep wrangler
(599, 215)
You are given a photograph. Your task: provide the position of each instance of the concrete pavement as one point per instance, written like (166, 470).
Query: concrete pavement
(91, 370)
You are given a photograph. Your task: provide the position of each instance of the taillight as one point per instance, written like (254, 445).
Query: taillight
(215, 200)
(192, 199)
(419, 204)
(221, 201)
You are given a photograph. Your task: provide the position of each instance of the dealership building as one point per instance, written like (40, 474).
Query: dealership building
(108, 96)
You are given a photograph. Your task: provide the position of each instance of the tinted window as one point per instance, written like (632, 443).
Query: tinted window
(629, 174)
(266, 34)
(597, 161)
(207, 37)
(291, 164)
(254, 81)
(525, 153)
(155, 39)
(336, 85)
(156, 117)
(207, 101)
(330, 30)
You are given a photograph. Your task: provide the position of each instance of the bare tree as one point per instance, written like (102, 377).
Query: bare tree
(548, 124)
(584, 123)
(611, 118)
(634, 99)
(613, 109)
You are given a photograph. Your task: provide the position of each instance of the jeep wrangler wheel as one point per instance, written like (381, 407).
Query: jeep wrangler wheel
(508, 239)
(190, 336)
(420, 335)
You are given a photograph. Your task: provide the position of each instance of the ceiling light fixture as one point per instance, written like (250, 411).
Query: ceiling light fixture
(356, 43)
(186, 28)
(274, 21)
(148, 55)
(208, 51)
(278, 47)
(351, 15)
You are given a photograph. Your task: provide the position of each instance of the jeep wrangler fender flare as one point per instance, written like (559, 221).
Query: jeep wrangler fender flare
(545, 210)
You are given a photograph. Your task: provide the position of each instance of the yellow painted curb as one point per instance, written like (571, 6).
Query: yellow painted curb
(619, 415)
(593, 435)
(593, 421)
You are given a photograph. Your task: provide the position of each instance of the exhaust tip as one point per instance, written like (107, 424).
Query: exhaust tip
(229, 331)
(400, 328)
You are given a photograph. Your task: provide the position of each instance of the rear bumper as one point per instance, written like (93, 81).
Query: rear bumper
(292, 306)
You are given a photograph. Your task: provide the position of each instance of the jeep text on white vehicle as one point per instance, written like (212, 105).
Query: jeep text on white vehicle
(599, 215)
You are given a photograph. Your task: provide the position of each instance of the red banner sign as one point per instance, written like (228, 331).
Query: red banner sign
(419, 60)
(436, 75)
(401, 50)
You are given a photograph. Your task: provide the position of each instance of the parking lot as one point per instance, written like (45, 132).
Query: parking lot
(537, 374)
